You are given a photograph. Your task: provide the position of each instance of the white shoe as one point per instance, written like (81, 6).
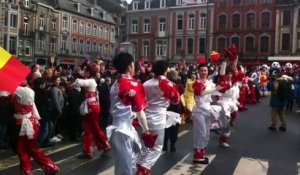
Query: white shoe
(59, 136)
(55, 140)
(225, 145)
(298, 111)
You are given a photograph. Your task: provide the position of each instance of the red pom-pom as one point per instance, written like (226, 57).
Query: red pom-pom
(135, 122)
(214, 56)
(199, 86)
(223, 83)
(201, 60)
(149, 139)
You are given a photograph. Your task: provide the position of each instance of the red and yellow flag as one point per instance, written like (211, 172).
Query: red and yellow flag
(12, 71)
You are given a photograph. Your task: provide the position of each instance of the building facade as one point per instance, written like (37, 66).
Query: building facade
(287, 36)
(10, 25)
(47, 31)
(191, 29)
(64, 31)
(168, 29)
(249, 24)
(27, 31)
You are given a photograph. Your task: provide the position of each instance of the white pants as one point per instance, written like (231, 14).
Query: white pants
(148, 156)
(201, 124)
(123, 148)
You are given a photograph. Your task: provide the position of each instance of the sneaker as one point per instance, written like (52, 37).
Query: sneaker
(55, 139)
(282, 128)
(272, 128)
(59, 136)
(298, 111)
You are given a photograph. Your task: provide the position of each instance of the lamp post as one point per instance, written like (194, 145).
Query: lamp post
(206, 41)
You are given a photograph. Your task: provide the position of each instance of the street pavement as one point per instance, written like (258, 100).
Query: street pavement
(254, 151)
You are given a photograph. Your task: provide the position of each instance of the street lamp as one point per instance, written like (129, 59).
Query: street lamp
(206, 41)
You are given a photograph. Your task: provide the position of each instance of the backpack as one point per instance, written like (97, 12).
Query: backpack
(284, 89)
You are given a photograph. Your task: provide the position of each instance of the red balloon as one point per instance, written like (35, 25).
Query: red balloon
(201, 60)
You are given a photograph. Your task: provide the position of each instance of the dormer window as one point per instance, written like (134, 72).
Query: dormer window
(162, 3)
(135, 6)
(147, 4)
(92, 11)
(104, 15)
(78, 7)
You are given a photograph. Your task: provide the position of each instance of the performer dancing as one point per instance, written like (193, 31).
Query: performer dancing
(26, 118)
(90, 110)
(160, 92)
(127, 96)
(229, 97)
(203, 113)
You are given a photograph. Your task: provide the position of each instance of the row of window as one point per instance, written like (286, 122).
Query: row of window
(162, 23)
(250, 23)
(76, 47)
(161, 46)
(249, 44)
(246, 2)
(103, 32)
(163, 3)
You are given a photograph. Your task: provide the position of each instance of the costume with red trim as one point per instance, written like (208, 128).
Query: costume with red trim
(26, 117)
(229, 94)
(127, 98)
(244, 91)
(204, 113)
(160, 92)
(90, 111)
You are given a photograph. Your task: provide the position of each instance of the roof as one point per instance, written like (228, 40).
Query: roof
(85, 8)
(156, 4)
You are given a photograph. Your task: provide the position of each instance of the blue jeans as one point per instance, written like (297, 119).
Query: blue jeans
(43, 133)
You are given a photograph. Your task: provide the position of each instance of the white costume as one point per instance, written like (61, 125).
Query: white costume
(204, 113)
(156, 116)
(125, 99)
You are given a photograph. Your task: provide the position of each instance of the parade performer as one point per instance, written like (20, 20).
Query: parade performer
(90, 110)
(160, 92)
(244, 91)
(263, 84)
(203, 113)
(228, 98)
(26, 117)
(252, 82)
(187, 98)
(127, 97)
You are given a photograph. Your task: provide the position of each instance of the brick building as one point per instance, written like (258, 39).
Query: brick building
(250, 24)
(168, 29)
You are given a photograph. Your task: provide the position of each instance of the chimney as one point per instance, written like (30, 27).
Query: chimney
(95, 2)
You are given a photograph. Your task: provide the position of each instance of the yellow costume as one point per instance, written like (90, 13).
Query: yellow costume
(187, 98)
